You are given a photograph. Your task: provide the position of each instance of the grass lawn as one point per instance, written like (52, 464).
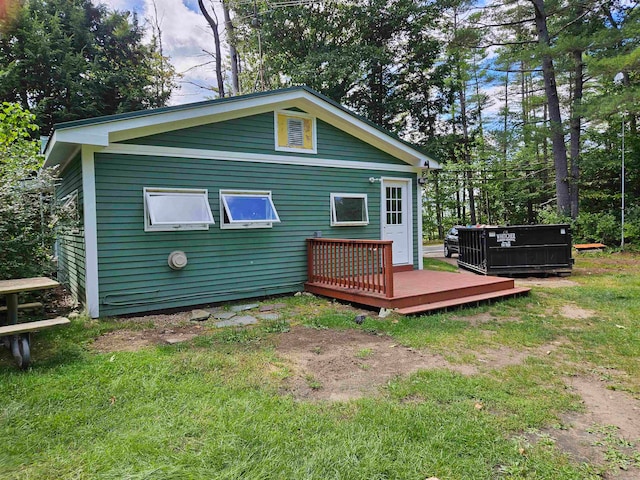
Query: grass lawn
(223, 405)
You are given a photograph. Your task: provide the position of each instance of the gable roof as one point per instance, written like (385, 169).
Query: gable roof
(102, 131)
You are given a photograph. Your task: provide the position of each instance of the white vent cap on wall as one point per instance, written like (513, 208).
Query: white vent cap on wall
(177, 260)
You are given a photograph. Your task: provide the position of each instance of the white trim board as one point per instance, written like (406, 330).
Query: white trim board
(419, 232)
(90, 231)
(309, 161)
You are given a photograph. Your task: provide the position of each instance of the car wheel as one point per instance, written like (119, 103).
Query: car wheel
(447, 252)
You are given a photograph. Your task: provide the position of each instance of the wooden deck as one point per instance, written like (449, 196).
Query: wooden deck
(420, 291)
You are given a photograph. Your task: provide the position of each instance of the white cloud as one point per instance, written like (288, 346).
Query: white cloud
(185, 37)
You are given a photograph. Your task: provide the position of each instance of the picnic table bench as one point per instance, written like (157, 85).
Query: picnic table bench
(589, 246)
(17, 335)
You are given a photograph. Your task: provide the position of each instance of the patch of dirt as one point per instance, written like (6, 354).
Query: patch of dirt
(611, 422)
(162, 329)
(340, 365)
(158, 320)
(506, 357)
(575, 312)
(548, 282)
(486, 317)
(133, 340)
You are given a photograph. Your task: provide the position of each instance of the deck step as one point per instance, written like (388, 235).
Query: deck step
(24, 306)
(456, 302)
(32, 326)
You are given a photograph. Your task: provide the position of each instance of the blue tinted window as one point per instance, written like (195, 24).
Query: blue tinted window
(249, 208)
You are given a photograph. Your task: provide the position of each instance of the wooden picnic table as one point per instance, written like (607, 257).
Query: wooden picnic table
(16, 335)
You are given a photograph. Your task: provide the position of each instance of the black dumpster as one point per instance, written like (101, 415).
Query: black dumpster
(516, 250)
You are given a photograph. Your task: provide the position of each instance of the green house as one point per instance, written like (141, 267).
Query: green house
(214, 201)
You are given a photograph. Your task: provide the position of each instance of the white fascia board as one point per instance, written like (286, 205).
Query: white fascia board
(63, 142)
(118, 130)
(166, 121)
(365, 132)
(50, 144)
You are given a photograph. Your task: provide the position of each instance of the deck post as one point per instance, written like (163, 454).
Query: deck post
(310, 257)
(388, 269)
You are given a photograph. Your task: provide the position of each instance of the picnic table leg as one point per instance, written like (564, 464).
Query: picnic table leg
(19, 344)
(12, 308)
(20, 350)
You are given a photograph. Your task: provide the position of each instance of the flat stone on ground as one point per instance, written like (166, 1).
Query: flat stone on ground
(240, 321)
(224, 315)
(199, 315)
(213, 310)
(242, 308)
(180, 338)
(268, 316)
(272, 306)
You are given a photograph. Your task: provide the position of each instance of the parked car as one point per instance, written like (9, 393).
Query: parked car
(451, 242)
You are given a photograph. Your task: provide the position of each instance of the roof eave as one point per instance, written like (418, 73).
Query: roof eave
(67, 137)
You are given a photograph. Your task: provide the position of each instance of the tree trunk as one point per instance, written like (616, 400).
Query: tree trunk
(233, 52)
(506, 117)
(575, 125)
(555, 118)
(462, 95)
(218, 53)
(436, 182)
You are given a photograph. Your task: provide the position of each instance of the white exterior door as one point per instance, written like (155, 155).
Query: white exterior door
(396, 219)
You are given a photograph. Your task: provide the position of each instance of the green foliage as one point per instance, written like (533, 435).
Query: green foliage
(366, 55)
(26, 232)
(69, 59)
(19, 156)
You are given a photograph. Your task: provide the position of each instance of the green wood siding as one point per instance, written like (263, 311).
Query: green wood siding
(222, 264)
(255, 134)
(71, 249)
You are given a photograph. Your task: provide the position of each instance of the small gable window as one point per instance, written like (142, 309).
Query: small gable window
(349, 209)
(170, 209)
(247, 209)
(295, 132)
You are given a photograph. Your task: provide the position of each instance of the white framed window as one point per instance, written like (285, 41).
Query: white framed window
(171, 209)
(349, 209)
(70, 212)
(294, 132)
(247, 209)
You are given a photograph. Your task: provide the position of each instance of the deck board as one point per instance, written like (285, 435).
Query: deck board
(426, 290)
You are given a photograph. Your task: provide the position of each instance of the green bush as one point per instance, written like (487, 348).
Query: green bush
(26, 198)
(597, 227)
(602, 227)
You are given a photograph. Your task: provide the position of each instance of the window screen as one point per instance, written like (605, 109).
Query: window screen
(176, 209)
(246, 209)
(349, 209)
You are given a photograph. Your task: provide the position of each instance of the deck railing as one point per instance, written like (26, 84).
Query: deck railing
(365, 265)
